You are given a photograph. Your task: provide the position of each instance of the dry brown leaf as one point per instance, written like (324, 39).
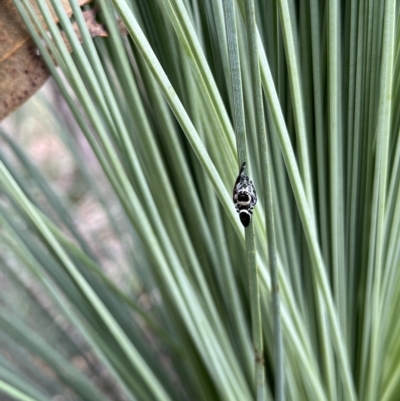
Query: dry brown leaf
(22, 71)
(95, 29)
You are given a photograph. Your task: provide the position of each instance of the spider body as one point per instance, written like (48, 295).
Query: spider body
(244, 197)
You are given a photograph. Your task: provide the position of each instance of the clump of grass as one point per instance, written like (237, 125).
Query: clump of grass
(178, 301)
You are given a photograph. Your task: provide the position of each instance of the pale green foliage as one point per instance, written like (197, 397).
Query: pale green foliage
(154, 302)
